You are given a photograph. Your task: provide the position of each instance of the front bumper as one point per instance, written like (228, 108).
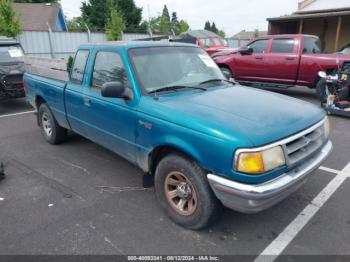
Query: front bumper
(248, 198)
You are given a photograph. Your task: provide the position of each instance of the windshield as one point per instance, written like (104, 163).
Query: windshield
(345, 50)
(210, 42)
(205, 42)
(10, 52)
(160, 67)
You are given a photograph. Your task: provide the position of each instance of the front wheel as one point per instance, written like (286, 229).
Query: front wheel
(53, 133)
(183, 192)
(322, 90)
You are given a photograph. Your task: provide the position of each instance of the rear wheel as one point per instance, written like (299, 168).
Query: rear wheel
(183, 192)
(53, 133)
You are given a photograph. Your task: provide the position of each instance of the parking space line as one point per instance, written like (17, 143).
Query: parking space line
(18, 114)
(330, 170)
(278, 245)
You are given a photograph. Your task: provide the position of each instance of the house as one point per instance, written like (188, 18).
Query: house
(243, 37)
(328, 20)
(37, 17)
(248, 35)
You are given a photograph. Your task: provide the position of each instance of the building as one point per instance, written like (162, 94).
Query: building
(37, 17)
(243, 37)
(248, 35)
(328, 20)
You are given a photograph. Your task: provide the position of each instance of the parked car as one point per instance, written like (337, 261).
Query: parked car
(208, 41)
(168, 109)
(345, 50)
(279, 61)
(11, 69)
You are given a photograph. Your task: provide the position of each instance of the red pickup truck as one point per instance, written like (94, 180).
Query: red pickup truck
(279, 61)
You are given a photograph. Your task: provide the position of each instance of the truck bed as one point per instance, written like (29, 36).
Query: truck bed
(52, 90)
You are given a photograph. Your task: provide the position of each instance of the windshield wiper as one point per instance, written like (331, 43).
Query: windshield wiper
(217, 80)
(174, 88)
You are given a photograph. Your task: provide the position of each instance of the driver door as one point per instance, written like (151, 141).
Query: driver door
(252, 66)
(111, 121)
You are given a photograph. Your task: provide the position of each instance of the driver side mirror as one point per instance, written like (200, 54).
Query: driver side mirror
(116, 90)
(245, 50)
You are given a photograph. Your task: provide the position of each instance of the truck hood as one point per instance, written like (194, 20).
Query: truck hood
(237, 113)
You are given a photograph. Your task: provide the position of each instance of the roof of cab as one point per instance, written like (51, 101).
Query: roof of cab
(133, 44)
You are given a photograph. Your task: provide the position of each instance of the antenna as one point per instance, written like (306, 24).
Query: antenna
(149, 22)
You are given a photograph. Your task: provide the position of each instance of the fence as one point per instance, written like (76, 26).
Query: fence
(61, 45)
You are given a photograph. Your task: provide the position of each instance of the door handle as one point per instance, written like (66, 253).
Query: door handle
(290, 58)
(87, 101)
(259, 58)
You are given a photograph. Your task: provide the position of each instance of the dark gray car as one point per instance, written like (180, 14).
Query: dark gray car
(11, 69)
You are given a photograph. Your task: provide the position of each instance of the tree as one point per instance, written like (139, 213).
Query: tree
(76, 24)
(221, 33)
(214, 28)
(174, 25)
(183, 26)
(115, 26)
(256, 33)
(9, 22)
(132, 14)
(35, 1)
(96, 13)
(207, 26)
(164, 26)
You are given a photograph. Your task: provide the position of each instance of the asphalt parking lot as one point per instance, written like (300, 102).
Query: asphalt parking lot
(78, 198)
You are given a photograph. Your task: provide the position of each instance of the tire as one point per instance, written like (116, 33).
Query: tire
(227, 72)
(321, 90)
(184, 181)
(52, 132)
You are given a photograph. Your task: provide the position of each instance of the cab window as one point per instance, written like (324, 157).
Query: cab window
(259, 46)
(311, 45)
(282, 46)
(108, 68)
(78, 69)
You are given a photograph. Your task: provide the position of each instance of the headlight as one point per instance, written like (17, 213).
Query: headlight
(260, 162)
(327, 127)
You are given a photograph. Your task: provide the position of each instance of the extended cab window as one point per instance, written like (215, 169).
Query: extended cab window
(108, 68)
(311, 45)
(282, 46)
(78, 69)
(259, 46)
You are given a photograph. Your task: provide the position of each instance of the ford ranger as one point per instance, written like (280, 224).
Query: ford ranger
(279, 61)
(168, 109)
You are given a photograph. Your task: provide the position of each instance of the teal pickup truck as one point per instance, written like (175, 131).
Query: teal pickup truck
(168, 109)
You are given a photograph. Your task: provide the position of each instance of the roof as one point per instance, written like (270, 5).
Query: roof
(248, 35)
(132, 44)
(199, 34)
(298, 16)
(322, 5)
(34, 17)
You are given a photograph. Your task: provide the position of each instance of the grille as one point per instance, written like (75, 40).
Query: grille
(12, 79)
(346, 67)
(303, 146)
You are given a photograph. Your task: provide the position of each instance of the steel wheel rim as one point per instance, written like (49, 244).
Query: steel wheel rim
(46, 123)
(180, 193)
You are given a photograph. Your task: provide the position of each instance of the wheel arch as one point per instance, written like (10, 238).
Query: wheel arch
(39, 100)
(161, 151)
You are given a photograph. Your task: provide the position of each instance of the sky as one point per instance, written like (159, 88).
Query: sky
(230, 15)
